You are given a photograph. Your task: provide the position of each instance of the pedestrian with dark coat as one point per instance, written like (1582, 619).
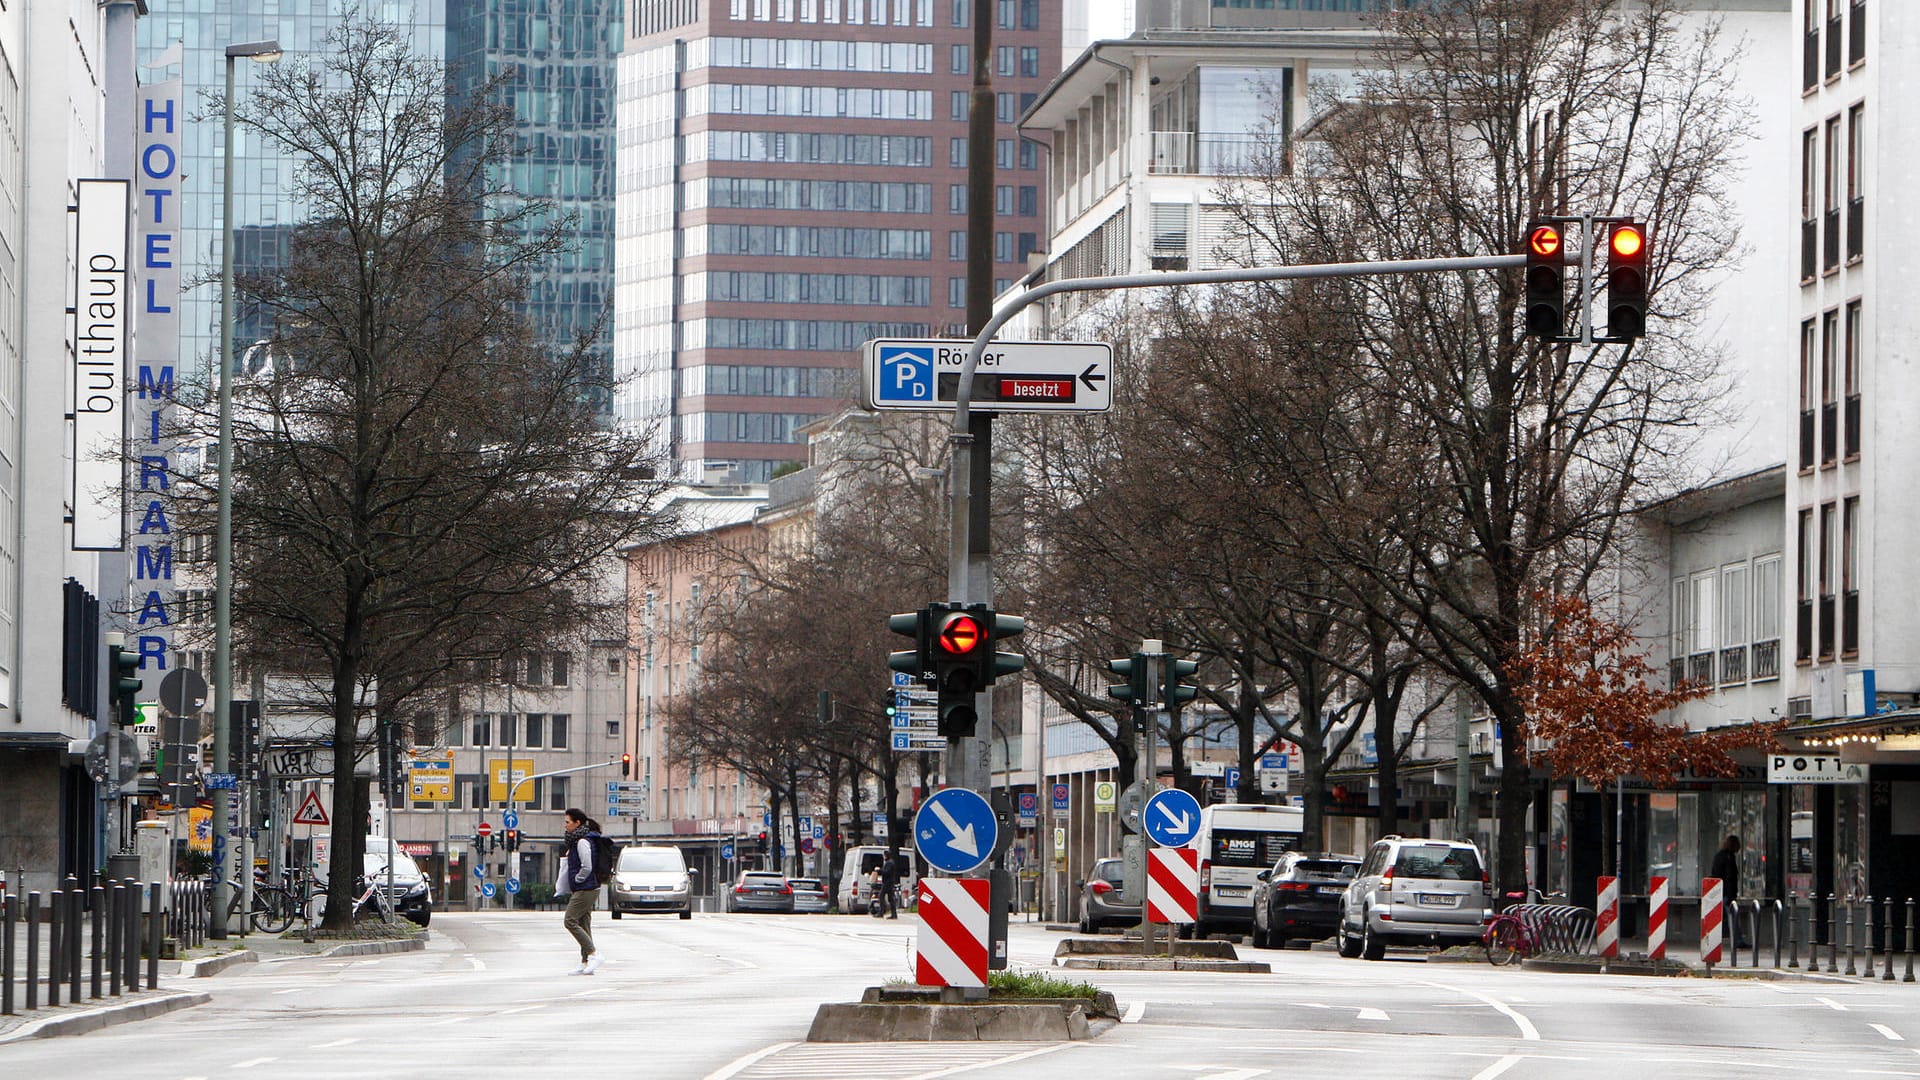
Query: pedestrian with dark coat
(890, 886)
(1726, 867)
(580, 884)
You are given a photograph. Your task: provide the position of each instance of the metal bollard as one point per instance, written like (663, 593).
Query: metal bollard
(1833, 934)
(56, 945)
(1853, 938)
(130, 937)
(116, 920)
(1780, 929)
(76, 937)
(1908, 977)
(98, 896)
(1867, 914)
(1793, 929)
(156, 927)
(9, 912)
(1886, 932)
(33, 950)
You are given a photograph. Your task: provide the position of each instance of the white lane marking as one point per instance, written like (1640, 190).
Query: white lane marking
(450, 1020)
(292, 990)
(969, 1067)
(251, 1062)
(521, 1009)
(1527, 1030)
(1228, 1074)
(1831, 1004)
(1134, 1012)
(334, 1043)
(1892, 1035)
(478, 964)
(1497, 1067)
(590, 993)
(1371, 1014)
(735, 1067)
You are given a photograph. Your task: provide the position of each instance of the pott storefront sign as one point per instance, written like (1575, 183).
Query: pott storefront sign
(1814, 769)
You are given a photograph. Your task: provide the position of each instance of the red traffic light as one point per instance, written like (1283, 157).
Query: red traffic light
(1628, 241)
(1544, 241)
(960, 635)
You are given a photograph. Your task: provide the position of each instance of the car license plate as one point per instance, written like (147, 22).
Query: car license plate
(1231, 890)
(1436, 899)
(1330, 890)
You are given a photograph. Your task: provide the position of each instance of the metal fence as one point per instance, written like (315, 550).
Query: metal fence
(76, 943)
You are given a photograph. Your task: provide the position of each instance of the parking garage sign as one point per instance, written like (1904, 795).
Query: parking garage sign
(1013, 376)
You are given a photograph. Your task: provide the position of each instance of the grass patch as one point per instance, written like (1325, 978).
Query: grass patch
(371, 930)
(1033, 984)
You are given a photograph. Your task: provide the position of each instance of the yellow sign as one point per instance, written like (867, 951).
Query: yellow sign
(430, 781)
(199, 829)
(498, 779)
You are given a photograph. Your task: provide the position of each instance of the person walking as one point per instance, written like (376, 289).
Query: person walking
(890, 886)
(580, 884)
(1726, 867)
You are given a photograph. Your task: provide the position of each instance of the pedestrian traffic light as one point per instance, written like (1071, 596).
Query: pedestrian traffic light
(126, 684)
(1175, 692)
(1626, 282)
(960, 644)
(1546, 282)
(1136, 689)
(626, 764)
(917, 661)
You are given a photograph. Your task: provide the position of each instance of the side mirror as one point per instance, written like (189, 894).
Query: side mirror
(1264, 875)
(1081, 884)
(693, 871)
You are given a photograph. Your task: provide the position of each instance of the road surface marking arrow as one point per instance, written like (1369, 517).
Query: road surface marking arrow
(963, 841)
(1179, 820)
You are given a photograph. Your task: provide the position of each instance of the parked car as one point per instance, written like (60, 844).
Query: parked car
(411, 893)
(761, 890)
(1301, 897)
(1413, 891)
(1104, 899)
(809, 894)
(651, 878)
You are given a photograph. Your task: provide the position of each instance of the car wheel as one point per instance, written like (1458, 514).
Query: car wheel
(1086, 925)
(1349, 946)
(1371, 946)
(1256, 936)
(615, 912)
(686, 913)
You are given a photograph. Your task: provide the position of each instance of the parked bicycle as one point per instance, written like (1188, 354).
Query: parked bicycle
(368, 899)
(1508, 936)
(273, 909)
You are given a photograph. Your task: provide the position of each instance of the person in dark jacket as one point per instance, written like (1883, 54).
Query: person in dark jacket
(890, 886)
(581, 886)
(1726, 867)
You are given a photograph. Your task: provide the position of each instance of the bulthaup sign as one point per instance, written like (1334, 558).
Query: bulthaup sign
(101, 315)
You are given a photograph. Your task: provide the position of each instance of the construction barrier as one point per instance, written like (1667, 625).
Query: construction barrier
(1657, 920)
(1712, 918)
(1606, 917)
(950, 948)
(1173, 885)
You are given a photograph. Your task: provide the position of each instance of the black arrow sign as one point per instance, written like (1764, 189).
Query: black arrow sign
(1092, 380)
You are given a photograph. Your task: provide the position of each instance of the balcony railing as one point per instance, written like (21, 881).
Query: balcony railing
(1676, 672)
(1850, 621)
(1766, 659)
(1831, 236)
(1810, 61)
(1829, 432)
(1733, 664)
(1700, 668)
(1853, 425)
(1203, 153)
(1857, 33)
(1803, 631)
(1806, 438)
(1827, 613)
(1809, 249)
(1856, 226)
(1833, 46)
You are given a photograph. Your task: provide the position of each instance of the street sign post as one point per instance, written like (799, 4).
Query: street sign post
(1171, 818)
(1061, 797)
(1014, 376)
(955, 830)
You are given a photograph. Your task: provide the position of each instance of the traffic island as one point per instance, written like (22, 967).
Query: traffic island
(1125, 954)
(909, 1013)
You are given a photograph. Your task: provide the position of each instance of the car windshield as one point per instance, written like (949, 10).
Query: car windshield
(403, 865)
(1115, 871)
(1326, 867)
(1438, 861)
(651, 861)
(762, 879)
(805, 883)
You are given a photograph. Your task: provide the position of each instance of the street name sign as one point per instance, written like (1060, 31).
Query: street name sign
(1013, 376)
(955, 830)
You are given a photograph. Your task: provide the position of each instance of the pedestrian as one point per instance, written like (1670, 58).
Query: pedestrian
(890, 886)
(580, 885)
(1726, 867)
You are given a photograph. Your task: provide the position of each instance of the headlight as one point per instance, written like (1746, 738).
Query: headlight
(417, 888)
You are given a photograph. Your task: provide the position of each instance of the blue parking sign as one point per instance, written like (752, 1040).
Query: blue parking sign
(906, 374)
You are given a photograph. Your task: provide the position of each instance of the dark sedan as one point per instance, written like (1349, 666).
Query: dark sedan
(760, 890)
(1300, 897)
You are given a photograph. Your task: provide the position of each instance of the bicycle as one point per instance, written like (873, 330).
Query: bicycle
(273, 907)
(1509, 937)
(372, 896)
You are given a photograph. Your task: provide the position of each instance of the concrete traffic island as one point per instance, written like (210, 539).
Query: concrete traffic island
(1124, 954)
(916, 1014)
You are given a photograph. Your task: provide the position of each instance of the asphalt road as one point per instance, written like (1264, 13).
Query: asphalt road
(729, 997)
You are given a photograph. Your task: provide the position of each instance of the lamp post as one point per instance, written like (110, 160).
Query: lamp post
(262, 51)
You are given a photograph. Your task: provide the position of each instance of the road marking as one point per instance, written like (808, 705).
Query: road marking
(1371, 1014)
(725, 1071)
(1497, 1067)
(1892, 1035)
(450, 1020)
(1134, 1012)
(1527, 1030)
(334, 1043)
(523, 1008)
(292, 990)
(970, 1066)
(1229, 1074)
(478, 964)
(1831, 1004)
(251, 1062)
(590, 993)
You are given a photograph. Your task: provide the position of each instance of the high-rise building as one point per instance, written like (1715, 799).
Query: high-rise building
(556, 63)
(792, 182)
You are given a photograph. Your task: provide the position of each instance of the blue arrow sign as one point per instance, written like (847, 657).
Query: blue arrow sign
(480, 870)
(726, 851)
(486, 889)
(513, 884)
(1172, 818)
(510, 820)
(955, 830)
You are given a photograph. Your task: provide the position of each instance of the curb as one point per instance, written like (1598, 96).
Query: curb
(992, 1022)
(214, 965)
(95, 1019)
(1116, 963)
(376, 948)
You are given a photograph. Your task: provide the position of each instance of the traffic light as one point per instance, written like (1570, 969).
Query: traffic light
(513, 839)
(961, 643)
(760, 844)
(1136, 688)
(1626, 281)
(1176, 693)
(1003, 627)
(126, 684)
(917, 661)
(626, 764)
(1546, 282)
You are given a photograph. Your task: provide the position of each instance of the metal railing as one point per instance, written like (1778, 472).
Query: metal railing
(1766, 659)
(1202, 153)
(90, 947)
(1733, 664)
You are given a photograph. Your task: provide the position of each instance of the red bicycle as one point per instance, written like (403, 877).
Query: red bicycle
(1509, 937)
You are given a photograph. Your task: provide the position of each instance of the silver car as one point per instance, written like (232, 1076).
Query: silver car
(761, 890)
(809, 895)
(1411, 891)
(651, 878)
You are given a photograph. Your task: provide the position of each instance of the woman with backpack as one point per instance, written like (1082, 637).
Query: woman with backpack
(580, 877)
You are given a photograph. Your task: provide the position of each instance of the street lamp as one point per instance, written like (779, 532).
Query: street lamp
(263, 52)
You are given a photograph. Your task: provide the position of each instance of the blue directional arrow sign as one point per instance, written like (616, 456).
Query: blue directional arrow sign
(955, 830)
(510, 819)
(487, 890)
(726, 851)
(513, 884)
(1172, 818)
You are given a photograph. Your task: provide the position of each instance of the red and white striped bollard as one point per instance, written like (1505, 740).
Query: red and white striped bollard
(1606, 918)
(1657, 920)
(1712, 913)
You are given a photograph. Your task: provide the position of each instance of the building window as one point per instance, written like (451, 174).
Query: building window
(1029, 14)
(557, 792)
(1810, 48)
(1733, 623)
(1857, 34)
(557, 727)
(613, 729)
(1030, 61)
(957, 61)
(957, 153)
(1808, 350)
(1850, 576)
(1029, 200)
(1828, 567)
(535, 723)
(1830, 235)
(1003, 108)
(1029, 155)
(1803, 590)
(508, 737)
(1003, 153)
(1856, 199)
(956, 198)
(1833, 37)
(1009, 13)
(1702, 635)
(1851, 381)
(1809, 204)
(956, 244)
(1829, 387)
(956, 292)
(482, 730)
(957, 12)
(1766, 618)
(1002, 248)
(1004, 59)
(1003, 200)
(1677, 637)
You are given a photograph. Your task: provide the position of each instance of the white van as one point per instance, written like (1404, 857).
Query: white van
(1236, 841)
(852, 896)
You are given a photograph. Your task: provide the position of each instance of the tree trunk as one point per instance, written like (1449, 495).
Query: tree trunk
(346, 852)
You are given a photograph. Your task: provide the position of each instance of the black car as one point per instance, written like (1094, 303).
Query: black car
(1300, 897)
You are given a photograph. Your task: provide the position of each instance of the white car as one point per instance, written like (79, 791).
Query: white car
(651, 878)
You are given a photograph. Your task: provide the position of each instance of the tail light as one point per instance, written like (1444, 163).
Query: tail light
(1206, 873)
(1294, 886)
(739, 888)
(1386, 879)
(1100, 888)
(787, 889)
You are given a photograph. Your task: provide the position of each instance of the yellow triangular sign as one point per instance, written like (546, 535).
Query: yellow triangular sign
(311, 812)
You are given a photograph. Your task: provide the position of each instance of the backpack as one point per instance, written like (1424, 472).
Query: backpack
(606, 856)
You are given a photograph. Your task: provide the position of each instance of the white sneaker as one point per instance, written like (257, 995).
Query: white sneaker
(592, 965)
(580, 969)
